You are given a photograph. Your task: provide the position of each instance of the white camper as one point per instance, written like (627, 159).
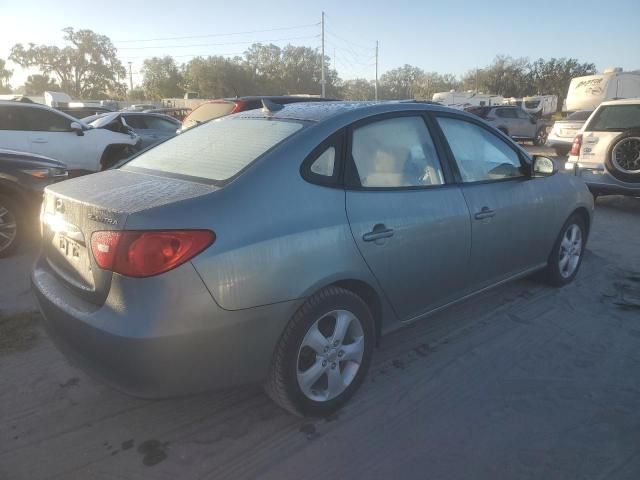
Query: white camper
(586, 93)
(540, 105)
(57, 99)
(467, 99)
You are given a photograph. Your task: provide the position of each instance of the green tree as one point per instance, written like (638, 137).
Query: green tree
(38, 84)
(431, 82)
(554, 75)
(87, 68)
(5, 76)
(358, 89)
(506, 76)
(215, 77)
(400, 83)
(161, 78)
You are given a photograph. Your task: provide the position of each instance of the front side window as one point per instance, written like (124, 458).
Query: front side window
(40, 120)
(157, 123)
(11, 118)
(217, 150)
(397, 152)
(479, 154)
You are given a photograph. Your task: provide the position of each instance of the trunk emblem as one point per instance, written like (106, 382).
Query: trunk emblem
(101, 219)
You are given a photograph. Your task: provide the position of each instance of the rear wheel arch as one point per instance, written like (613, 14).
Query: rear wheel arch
(369, 295)
(112, 154)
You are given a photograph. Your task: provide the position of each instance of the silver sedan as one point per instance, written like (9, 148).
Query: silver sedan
(278, 245)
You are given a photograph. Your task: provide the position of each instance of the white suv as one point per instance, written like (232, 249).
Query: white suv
(606, 151)
(36, 128)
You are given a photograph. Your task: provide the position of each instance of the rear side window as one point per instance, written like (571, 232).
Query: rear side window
(506, 113)
(395, 153)
(209, 111)
(615, 118)
(136, 121)
(218, 150)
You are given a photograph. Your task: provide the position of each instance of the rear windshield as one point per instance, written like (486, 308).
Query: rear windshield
(580, 116)
(615, 118)
(209, 111)
(217, 150)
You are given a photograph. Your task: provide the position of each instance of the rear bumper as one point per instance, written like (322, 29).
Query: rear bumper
(170, 342)
(600, 181)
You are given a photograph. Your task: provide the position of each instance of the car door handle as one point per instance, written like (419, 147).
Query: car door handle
(486, 212)
(378, 232)
(39, 140)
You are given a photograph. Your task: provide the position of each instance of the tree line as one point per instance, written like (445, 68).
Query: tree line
(89, 67)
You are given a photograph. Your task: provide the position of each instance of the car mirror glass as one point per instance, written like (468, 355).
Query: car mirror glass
(543, 166)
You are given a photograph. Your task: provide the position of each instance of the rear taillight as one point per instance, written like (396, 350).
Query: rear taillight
(239, 106)
(137, 253)
(576, 146)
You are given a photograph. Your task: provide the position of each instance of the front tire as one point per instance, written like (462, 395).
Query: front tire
(567, 253)
(323, 355)
(11, 226)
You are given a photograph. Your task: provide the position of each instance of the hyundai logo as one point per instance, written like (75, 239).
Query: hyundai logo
(59, 206)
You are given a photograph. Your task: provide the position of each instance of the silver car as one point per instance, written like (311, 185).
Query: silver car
(278, 245)
(514, 122)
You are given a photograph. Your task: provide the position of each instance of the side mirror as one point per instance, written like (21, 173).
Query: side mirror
(543, 166)
(76, 127)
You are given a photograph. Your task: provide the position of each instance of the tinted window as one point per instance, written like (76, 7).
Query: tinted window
(580, 116)
(523, 115)
(324, 164)
(615, 118)
(157, 123)
(11, 118)
(398, 152)
(40, 120)
(479, 154)
(136, 121)
(218, 150)
(507, 113)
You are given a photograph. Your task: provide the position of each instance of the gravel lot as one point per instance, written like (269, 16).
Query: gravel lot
(525, 381)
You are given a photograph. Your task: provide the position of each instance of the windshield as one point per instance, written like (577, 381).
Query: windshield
(615, 118)
(580, 116)
(218, 150)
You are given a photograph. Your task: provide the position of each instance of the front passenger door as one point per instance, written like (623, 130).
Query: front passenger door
(411, 227)
(508, 208)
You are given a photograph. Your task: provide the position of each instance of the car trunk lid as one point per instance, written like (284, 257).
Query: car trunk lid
(74, 209)
(567, 129)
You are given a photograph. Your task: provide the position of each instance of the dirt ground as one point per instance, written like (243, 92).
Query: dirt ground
(525, 381)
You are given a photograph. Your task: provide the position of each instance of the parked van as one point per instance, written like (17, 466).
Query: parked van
(467, 99)
(540, 105)
(586, 93)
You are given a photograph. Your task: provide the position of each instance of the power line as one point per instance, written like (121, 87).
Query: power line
(218, 34)
(219, 44)
(369, 48)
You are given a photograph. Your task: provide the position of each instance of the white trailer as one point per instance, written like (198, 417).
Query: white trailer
(467, 99)
(540, 105)
(586, 93)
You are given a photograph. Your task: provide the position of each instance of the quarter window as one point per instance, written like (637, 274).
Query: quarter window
(324, 164)
(397, 152)
(479, 154)
(11, 119)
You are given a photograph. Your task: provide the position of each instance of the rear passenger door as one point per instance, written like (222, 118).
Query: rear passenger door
(508, 209)
(13, 134)
(410, 224)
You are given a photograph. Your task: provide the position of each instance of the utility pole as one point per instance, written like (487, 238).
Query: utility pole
(376, 84)
(130, 79)
(322, 80)
(476, 80)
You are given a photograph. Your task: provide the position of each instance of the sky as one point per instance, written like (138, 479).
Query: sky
(442, 36)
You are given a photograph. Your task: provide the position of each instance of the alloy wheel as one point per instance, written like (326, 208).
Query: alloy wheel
(570, 250)
(626, 155)
(330, 355)
(8, 228)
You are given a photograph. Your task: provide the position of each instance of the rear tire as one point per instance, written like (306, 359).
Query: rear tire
(541, 137)
(12, 226)
(567, 254)
(626, 150)
(562, 151)
(323, 354)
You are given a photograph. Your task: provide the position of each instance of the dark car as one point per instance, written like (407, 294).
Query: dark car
(175, 112)
(152, 128)
(225, 106)
(85, 111)
(23, 177)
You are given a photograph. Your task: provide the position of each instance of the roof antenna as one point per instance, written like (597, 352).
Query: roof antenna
(270, 107)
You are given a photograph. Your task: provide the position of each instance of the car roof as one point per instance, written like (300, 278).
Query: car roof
(625, 101)
(321, 111)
